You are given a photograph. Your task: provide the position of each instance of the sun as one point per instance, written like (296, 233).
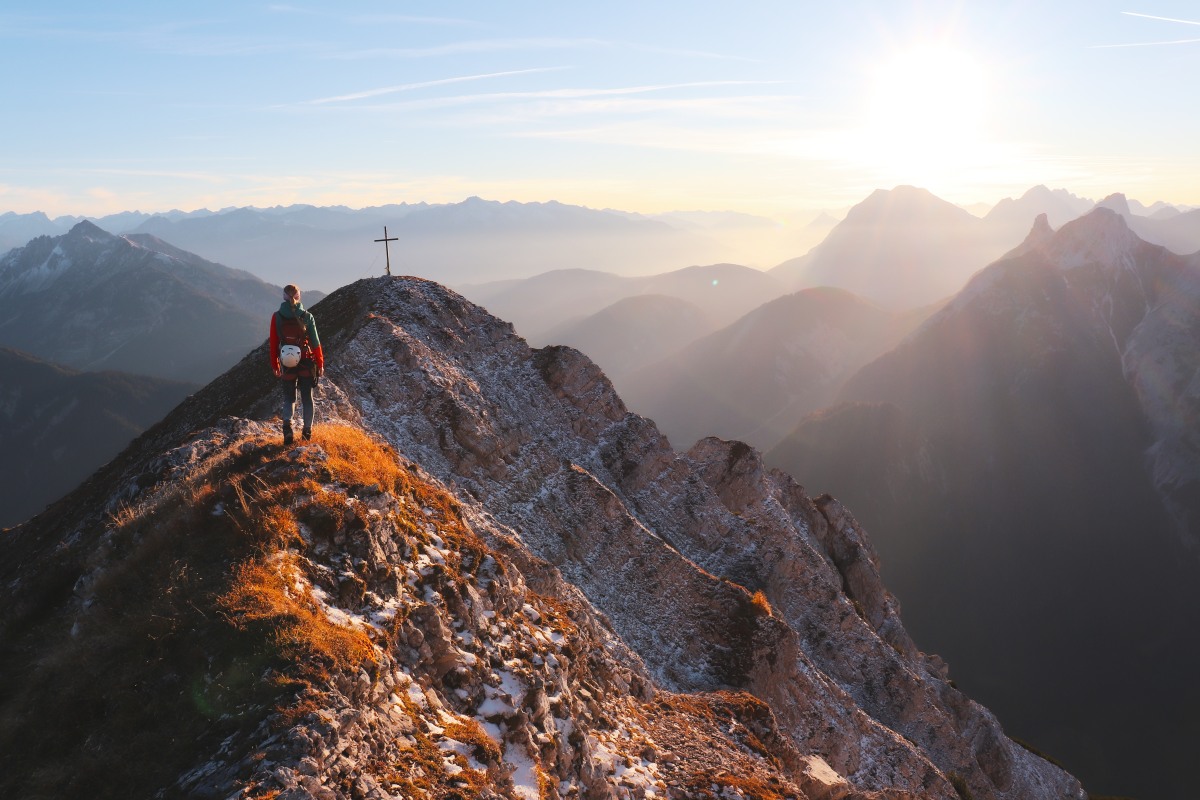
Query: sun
(924, 112)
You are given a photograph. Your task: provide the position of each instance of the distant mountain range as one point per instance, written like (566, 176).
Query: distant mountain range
(94, 301)
(469, 242)
(789, 358)
(1028, 464)
(905, 248)
(479, 241)
(59, 425)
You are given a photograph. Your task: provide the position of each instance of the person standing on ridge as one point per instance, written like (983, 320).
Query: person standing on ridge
(296, 358)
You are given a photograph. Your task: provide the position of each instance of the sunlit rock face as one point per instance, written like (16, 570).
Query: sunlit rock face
(512, 586)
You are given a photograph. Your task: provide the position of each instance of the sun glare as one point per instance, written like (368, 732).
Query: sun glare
(924, 113)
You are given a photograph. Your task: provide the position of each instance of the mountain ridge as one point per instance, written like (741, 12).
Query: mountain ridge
(774, 600)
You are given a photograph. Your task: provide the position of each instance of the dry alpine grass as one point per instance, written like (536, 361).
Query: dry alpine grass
(189, 598)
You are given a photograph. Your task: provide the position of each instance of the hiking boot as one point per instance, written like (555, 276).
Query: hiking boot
(287, 433)
(307, 433)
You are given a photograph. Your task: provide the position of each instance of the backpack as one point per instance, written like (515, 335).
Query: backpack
(293, 331)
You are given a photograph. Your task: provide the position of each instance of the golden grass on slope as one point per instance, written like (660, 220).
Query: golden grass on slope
(759, 601)
(354, 459)
(265, 594)
(190, 622)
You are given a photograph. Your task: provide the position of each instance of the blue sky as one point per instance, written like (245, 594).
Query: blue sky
(774, 108)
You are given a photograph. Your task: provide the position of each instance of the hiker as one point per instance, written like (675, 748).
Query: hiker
(296, 357)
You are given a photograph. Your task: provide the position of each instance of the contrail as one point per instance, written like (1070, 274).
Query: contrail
(404, 87)
(1153, 44)
(1146, 44)
(1162, 19)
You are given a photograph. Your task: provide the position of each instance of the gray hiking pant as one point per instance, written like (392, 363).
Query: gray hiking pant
(305, 384)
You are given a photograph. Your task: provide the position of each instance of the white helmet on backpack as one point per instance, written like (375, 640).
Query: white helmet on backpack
(289, 355)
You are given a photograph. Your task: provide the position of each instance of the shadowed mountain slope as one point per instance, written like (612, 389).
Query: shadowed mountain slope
(633, 332)
(1027, 462)
(57, 425)
(484, 577)
(756, 378)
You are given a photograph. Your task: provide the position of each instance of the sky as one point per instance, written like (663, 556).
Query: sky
(780, 109)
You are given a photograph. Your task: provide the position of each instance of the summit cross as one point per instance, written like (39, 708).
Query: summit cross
(386, 254)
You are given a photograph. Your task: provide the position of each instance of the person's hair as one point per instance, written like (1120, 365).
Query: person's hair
(291, 290)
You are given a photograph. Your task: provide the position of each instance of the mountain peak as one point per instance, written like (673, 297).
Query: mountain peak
(85, 230)
(900, 205)
(92, 300)
(1116, 202)
(1040, 232)
(1103, 231)
(1100, 237)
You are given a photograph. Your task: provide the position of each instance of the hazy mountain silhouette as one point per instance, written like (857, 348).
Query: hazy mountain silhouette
(91, 300)
(633, 332)
(472, 241)
(1011, 218)
(58, 425)
(1012, 458)
(754, 379)
(902, 248)
(1179, 232)
(545, 302)
(17, 229)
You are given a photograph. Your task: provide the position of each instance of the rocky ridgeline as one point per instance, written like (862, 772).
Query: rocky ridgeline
(541, 599)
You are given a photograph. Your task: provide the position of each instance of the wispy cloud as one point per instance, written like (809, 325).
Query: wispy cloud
(548, 94)
(542, 43)
(472, 46)
(407, 87)
(509, 109)
(367, 19)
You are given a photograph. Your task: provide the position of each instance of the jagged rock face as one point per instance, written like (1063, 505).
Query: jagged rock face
(669, 546)
(539, 598)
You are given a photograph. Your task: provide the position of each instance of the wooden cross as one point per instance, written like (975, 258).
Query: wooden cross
(387, 255)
